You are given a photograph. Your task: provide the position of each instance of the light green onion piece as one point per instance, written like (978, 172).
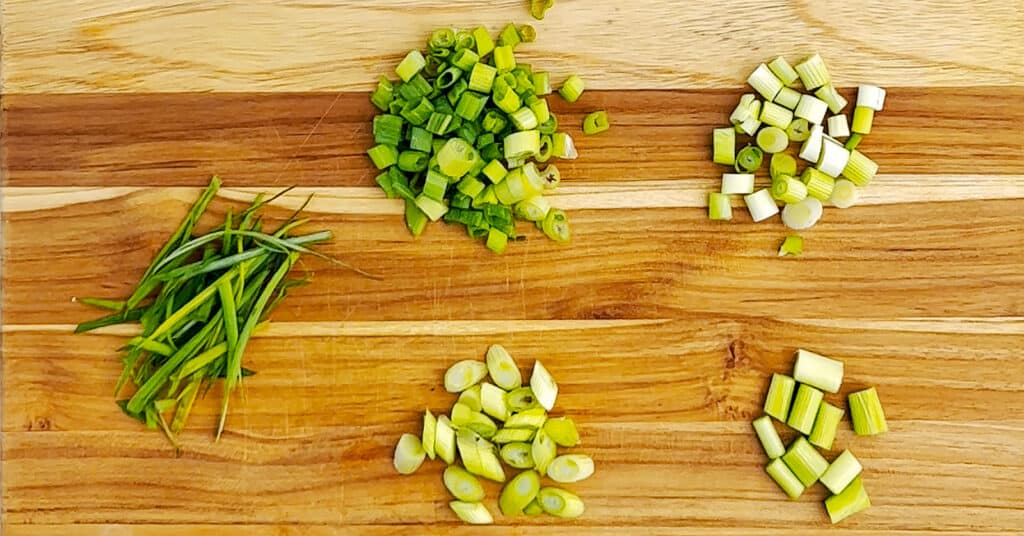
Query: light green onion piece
(562, 146)
(724, 142)
(572, 89)
(518, 455)
(837, 126)
(813, 72)
(539, 7)
(862, 119)
(805, 461)
(465, 440)
(782, 164)
(519, 492)
(866, 413)
(803, 214)
(788, 190)
(777, 116)
(543, 450)
(799, 130)
(812, 109)
(788, 97)
(765, 82)
(383, 156)
(872, 97)
(750, 125)
(533, 509)
(522, 399)
(818, 371)
(841, 473)
(805, 408)
(456, 158)
(514, 435)
(784, 477)
(444, 440)
(859, 168)
(562, 431)
(769, 437)
(503, 368)
(463, 375)
(533, 209)
(780, 395)
(492, 399)
(489, 461)
(737, 183)
(595, 123)
(761, 205)
(825, 426)
(772, 140)
(783, 71)
(462, 484)
(429, 433)
(719, 207)
(411, 65)
(472, 513)
(522, 144)
(792, 246)
(744, 109)
(543, 386)
(409, 454)
(749, 159)
(481, 78)
(852, 500)
(463, 417)
(497, 241)
(831, 96)
(844, 194)
(504, 58)
(560, 503)
(524, 119)
(434, 209)
(811, 149)
(834, 157)
(494, 171)
(484, 42)
(570, 468)
(819, 185)
(471, 397)
(853, 141)
(528, 418)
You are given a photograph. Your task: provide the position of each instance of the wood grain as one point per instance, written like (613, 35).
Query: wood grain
(53, 46)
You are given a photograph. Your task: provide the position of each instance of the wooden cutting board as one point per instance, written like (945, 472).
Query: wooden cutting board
(661, 327)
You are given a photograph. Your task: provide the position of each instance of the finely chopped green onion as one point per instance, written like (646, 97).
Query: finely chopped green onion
(780, 165)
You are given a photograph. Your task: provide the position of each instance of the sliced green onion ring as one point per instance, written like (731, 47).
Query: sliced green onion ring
(463, 375)
(462, 484)
(519, 492)
(570, 468)
(560, 503)
(409, 454)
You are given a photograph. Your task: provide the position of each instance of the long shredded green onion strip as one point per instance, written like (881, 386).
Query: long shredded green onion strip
(852, 500)
(805, 461)
(792, 246)
(805, 408)
(780, 396)
(823, 434)
(719, 207)
(844, 194)
(843, 470)
(761, 205)
(818, 371)
(769, 437)
(866, 413)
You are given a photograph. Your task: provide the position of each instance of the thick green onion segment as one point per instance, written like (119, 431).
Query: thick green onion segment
(776, 116)
(198, 303)
(799, 401)
(495, 423)
(460, 135)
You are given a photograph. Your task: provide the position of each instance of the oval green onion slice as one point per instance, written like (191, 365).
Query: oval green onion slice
(444, 440)
(518, 455)
(556, 226)
(521, 399)
(503, 368)
(489, 461)
(409, 454)
(749, 159)
(799, 130)
(772, 140)
(543, 450)
(782, 164)
(570, 468)
(560, 503)
(462, 484)
(514, 435)
(519, 492)
(463, 375)
(472, 513)
(595, 123)
(802, 215)
(471, 398)
(529, 418)
(533, 509)
(543, 385)
(562, 431)
(492, 398)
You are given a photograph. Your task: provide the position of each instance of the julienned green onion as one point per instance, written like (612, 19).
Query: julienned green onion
(805, 461)
(560, 503)
(769, 437)
(409, 454)
(844, 194)
(749, 159)
(761, 205)
(843, 470)
(772, 140)
(595, 123)
(792, 246)
(852, 500)
(719, 207)
(780, 396)
(825, 426)
(818, 371)
(784, 477)
(780, 165)
(519, 492)
(572, 89)
(472, 513)
(866, 413)
(805, 408)
(571, 468)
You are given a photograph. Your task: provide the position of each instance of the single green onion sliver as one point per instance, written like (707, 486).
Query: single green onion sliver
(429, 437)
(543, 386)
(819, 185)
(456, 158)
(556, 227)
(570, 468)
(761, 205)
(490, 461)
(514, 435)
(859, 168)
(519, 492)
(843, 470)
(852, 500)
(862, 119)
(799, 130)
(383, 156)
(444, 440)
(462, 484)
(788, 97)
(783, 71)
(409, 454)
(562, 431)
(780, 165)
(831, 96)
(724, 143)
(805, 461)
(737, 183)
(772, 140)
(769, 437)
(844, 194)
(774, 115)
(521, 400)
(866, 413)
(463, 375)
(749, 159)
(502, 368)
(823, 434)
(411, 65)
(474, 513)
(818, 371)
(543, 450)
(792, 246)
(492, 400)
(719, 207)
(518, 455)
(780, 395)
(765, 82)
(572, 89)
(784, 477)
(595, 123)
(560, 503)
(813, 72)
(481, 78)
(812, 109)
(805, 408)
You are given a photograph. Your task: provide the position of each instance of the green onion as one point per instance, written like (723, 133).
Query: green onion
(473, 513)
(540, 109)
(831, 96)
(780, 165)
(543, 450)
(560, 503)
(484, 43)
(761, 205)
(805, 461)
(813, 72)
(765, 82)
(719, 207)
(805, 408)
(463, 375)
(798, 130)
(556, 227)
(825, 426)
(852, 500)
(572, 89)
(519, 492)
(595, 123)
(492, 398)
(749, 159)
(412, 161)
(413, 63)
(518, 455)
(837, 126)
(504, 59)
(862, 119)
(834, 158)
(522, 144)
(543, 386)
(866, 413)
(497, 241)
(783, 71)
(844, 194)
(528, 418)
(818, 371)
(571, 468)
(522, 399)
(534, 508)
(737, 183)
(409, 454)
(562, 146)
(383, 95)
(444, 444)
(465, 59)
(456, 158)
(793, 192)
(533, 209)
(769, 437)
(871, 97)
(383, 156)
(415, 219)
(562, 431)
(539, 7)
(859, 168)
(812, 109)
(514, 435)
(462, 484)
(853, 141)
(772, 140)
(429, 434)
(527, 33)
(503, 369)
(819, 185)
(780, 395)
(466, 441)
(490, 462)
(470, 105)
(788, 97)
(433, 208)
(785, 478)
(843, 470)
(724, 142)
(524, 119)
(774, 115)
(792, 246)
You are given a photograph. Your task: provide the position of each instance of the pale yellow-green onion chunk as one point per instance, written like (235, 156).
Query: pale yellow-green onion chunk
(472, 513)
(750, 125)
(811, 149)
(780, 396)
(719, 207)
(490, 463)
(724, 146)
(543, 451)
(761, 205)
(429, 433)
(463, 417)
(872, 97)
(743, 110)
(462, 484)
(866, 413)
(838, 127)
(560, 503)
(831, 96)
(834, 158)
(823, 434)
(471, 398)
(841, 472)
(784, 477)
(444, 440)
(521, 399)
(503, 368)
(513, 435)
(562, 431)
(782, 164)
(862, 119)
(805, 461)
(519, 492)
(769, 437)
(805, 408)
(783, 71)
(518, 455)
(533, 509)
(818, 371)
(772, 140)
(792, 246)
(466, 440)
(860, 169)
(812, 109)
(844, 194)
(492, 398)
(788, 97)
(765, 82)
(813, 72)
(788, 190)
(819, 185)
(409, 454)
(543, 385)
(529, 418)
(570, 468)
(562, 146)
(776, 116)
(852, 500)
(737, 183)
(463, 375)
(799, 130)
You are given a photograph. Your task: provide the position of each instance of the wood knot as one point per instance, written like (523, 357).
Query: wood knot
(40, 424)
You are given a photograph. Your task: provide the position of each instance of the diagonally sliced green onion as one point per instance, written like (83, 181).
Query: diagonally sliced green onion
(866, 413)
(595, 123)
(562, 146)
(560, 503)
(522, 399)
(792, 246)
(784, 477)
(489, 461)
(765, 82)
(761, 205)
(724, 144)
(719, 207)
(781, 164)
(841, 473)
(463, 375)
(444, 440)
(737, 183)
(533, 509)
(780, 395)
(465, 440)
(570, 468)
(429, 433)
(514, 435)
(813, 72)
(527, 418)
(788, 190)
(463, 417)
(518, 455)
(844, 194)
(749, 159)
(471, 398)
(825, 425)
(769, 437)
(572, 89)
(543, 386)
(409, 454)
(519, 492)
(462, 484)
(859, 168)
(543, 450)
(744, 110)
(805, 461)
(562, 431)
(818, 371)
(772, 140)
(492, 398)
(783, 71)
(805, 408)
(503, 368)
(472, 513)
(852, 500)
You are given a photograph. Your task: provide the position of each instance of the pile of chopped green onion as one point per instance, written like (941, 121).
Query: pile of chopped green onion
(799, 402)
(784, 116)
(496, 424)
(460, 136)
(198, 303)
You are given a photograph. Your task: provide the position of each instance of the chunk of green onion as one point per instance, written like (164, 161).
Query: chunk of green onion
(387, 129)
(434, 209)
(560, 503)
(497, 241)
(463, 375)
(853, 141)
(493, 402)
(769, 437)
(724, 144)
(866, 413)
(780, 395)
(556, 227)
(519, 492)
(522, 144)
(473, 513)
(761, 205)
(844, 194)
(765, 82)
(503, 369)
(562, 431)
(540, 108)
(542, 83)
(524, 119)
(788, 97)
(509, 36)
(798, 130)
(805, 461)
(737, 183)
(518, 455)
(490, 462)
(783, 71)
(534, 417)
(813, 72)
(415, 219)
(429, 434)
(470, 105)
(772, 140)
(859, 168)
(774, 115)
(465, 440)
(792, 246)
(788, 190)
(409, 454)
(539, 7)
(595, 123)
(533, 209)
(383, 156)
(411, 65)
(412, 161)
(834, 157)
(837, 126)
(383, 95)
(484, 42)
(494, 171)
(462, 484)
(504, 58)
(551, 177)
(719, 207)
(749, 159)
(872, 97)
(543, 386)
(780, 165)
(812, 109)
(444, 440)
(843, 470)
(572, 89)
(831, 96)
(533, 509)
(852, 500)
(818, 371)
(562, 146)
(481, 78)
(784, 477)
(456, 158)
(513, 435)
(862, 119)
(570, 468)
(522, 399)
(823, 434)
(805, 408)
(819, 185)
